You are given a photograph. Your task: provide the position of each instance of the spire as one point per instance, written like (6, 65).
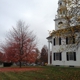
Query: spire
(68, 14)
(62, 9)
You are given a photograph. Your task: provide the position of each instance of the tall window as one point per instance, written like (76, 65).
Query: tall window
(63, 12)
(60, 23)
(57, 41)
(70, 40)
(58, 56)
(71, 56)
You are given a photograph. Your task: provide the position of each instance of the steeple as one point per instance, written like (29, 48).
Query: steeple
(60, 20)
(62, 9)
(68, 14)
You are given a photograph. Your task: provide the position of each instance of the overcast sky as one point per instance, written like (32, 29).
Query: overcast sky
(37, 14)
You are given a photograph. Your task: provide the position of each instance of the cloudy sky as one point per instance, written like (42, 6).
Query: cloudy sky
(37, 14)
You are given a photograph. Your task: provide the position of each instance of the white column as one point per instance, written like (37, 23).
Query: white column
(48, 53)
(52, 51)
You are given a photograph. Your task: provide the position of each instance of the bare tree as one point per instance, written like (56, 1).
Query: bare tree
(19, 43)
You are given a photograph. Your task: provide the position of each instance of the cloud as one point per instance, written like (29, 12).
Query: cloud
(38, 14)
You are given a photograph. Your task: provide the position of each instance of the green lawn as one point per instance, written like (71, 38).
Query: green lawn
(48, 73)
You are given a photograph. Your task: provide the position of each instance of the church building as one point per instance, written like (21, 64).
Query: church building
(64, 41)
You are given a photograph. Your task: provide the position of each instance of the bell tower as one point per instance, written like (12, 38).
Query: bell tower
(62, 10)
(60, 19)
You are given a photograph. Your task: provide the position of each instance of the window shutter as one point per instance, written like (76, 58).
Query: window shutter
(74, 56)
(54, 41)
(54, 56)
(73, 39)
(59, 40)
(60, 56)
(67, 57)
(66, 40)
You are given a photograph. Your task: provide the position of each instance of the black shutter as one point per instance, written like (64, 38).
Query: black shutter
(54, 41)
(66, 40)
(73, 39)
(67, 57)
(60, 56)
(54, 56)
(59, 40)
(74, 56)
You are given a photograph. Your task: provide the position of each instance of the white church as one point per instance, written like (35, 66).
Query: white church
(64, 41)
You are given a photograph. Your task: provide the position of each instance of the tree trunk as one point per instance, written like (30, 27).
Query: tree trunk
(20, 64)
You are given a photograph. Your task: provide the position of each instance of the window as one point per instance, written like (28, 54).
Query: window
(60, 3)
(60, 23)
(63, 12)
(57, 56)
(70, 40)
(57, 41)
(71, 56)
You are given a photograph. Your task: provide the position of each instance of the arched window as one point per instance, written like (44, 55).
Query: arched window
(60, 3)
(60, 23)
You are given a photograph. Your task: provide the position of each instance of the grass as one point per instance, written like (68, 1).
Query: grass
(48, 73)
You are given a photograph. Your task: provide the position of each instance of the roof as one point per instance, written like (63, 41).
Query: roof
(62, 32)
(49, 37)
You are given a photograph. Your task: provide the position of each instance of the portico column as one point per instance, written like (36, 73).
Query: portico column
(48, 53)
(52, 51)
